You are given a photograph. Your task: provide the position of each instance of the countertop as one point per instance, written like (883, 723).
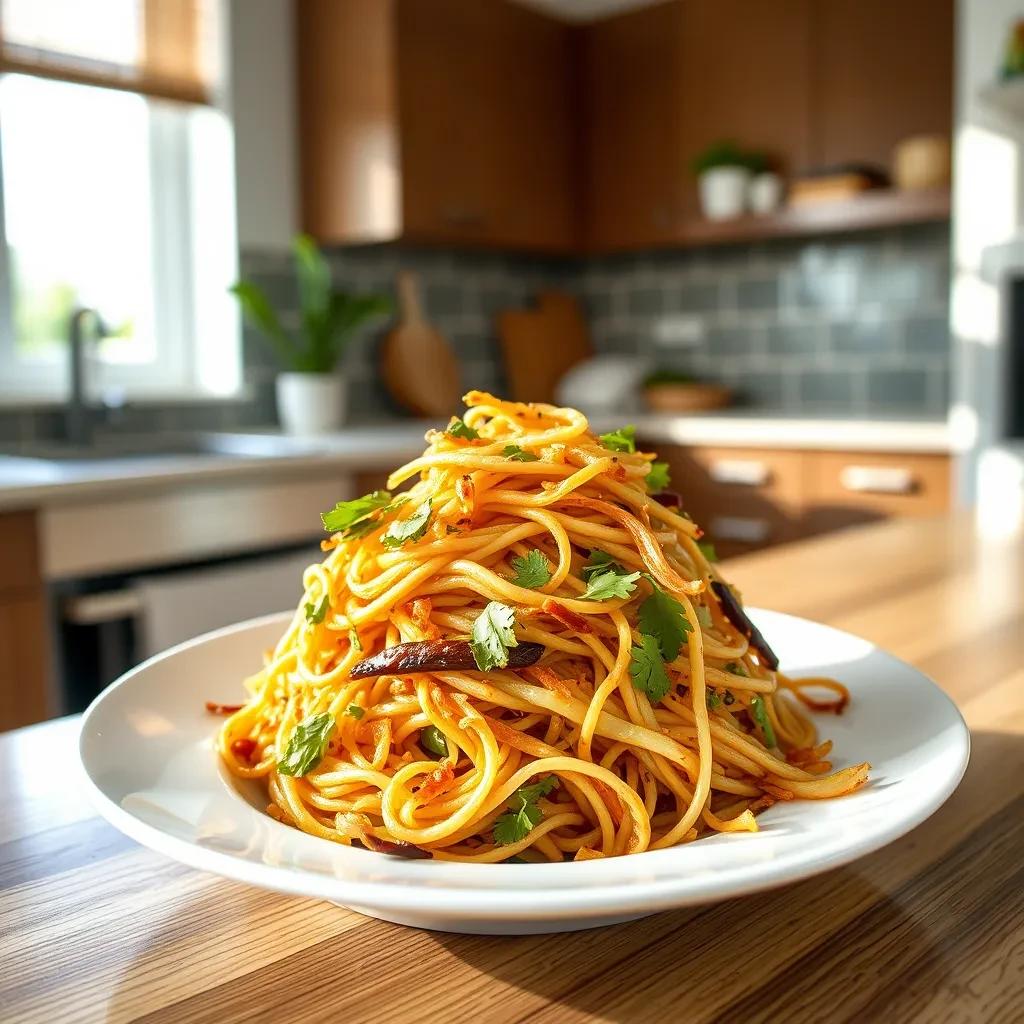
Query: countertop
(929, 928)
(30, 482)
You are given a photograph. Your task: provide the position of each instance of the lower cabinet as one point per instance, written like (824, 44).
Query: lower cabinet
(752, 498)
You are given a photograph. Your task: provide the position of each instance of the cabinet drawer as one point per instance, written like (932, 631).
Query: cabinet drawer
(19, 552)
(886, 484)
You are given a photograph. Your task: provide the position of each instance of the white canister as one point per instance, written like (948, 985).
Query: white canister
(310, 403)
(764, 194)
(723, 192)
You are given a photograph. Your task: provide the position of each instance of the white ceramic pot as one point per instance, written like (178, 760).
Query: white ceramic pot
(310, 403)
(764, 194)
(723, 192)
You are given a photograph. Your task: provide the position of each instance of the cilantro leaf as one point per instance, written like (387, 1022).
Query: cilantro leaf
(402, 530)
(647, 669)
(661, 616)
(355, 711)
(711, 698)
(603, 586)
(599, 561)
(532, 571)
(492, 636)
(760, 715)
(658, 477)
(306, 747)
(513, 451)
(458, 428)
(707, 549)
(346, 514)
(316, 613)
(433, 741)
(736, 668)
(621, 440)
(516, 824)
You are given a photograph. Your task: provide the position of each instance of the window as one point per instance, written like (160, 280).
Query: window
(114, 200)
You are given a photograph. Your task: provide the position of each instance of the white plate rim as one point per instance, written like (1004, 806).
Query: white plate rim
(517, 903)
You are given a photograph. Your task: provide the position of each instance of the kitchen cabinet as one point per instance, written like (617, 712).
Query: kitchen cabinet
(24, 634)
(881, 70)
(449, 121)
(752, 498)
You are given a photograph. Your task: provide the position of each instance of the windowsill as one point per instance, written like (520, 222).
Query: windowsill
(15, 400)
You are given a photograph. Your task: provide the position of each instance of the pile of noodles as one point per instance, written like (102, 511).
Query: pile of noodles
(621, 773)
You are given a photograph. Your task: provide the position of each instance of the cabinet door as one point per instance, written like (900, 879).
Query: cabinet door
(632, 159)
(882, 70)
(485, 119)
(24, 661)
(744, 76)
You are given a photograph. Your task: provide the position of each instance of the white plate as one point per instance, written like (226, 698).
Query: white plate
(146, 747)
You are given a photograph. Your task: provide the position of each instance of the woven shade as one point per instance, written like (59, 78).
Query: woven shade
(161, 48)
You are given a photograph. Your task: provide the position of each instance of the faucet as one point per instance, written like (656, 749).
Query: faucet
(78, 418)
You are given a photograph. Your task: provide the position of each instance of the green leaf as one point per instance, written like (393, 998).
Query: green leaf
(403, 530)
(707, 549)
(604, 586)
(513, 451)
(432, 740)
(306, 747)
(316, 613)
(600, 561)
(517, 824)
(355, 711)
(492, 636)
(736, 668)
(661, 616)
(458, 428)
(621, 440)
(346, 514)
(658, 477)
(258, 311)
(711, 698)
(532, 571)
(760, 715)
(353, 640)
(647, 669)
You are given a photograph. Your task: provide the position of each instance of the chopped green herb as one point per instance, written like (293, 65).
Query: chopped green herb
(604, 586)
(355, 711)
(736, 668)
(517, 823)
(316, 613)
(647, 669)
(432, 740)
(513, 451)
(599, 561)
(658, 477)
(492, 636)
(532, 571)
(621, 440)
(346, 514)
(704, 615)
(306, 747)
(353, 640)
(403, 530)
(760, 715)
(661, 616)
(458, 428)
(707, 549)
(712, 699)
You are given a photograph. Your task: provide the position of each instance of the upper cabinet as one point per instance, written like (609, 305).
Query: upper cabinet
(484, 122)
(448, 121)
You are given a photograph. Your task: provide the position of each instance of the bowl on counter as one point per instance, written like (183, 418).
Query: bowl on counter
(686, 397)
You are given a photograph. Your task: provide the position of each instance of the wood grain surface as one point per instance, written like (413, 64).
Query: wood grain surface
(93, 927)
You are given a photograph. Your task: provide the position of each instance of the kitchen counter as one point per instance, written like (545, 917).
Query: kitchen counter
(929, 928)
(27, 483)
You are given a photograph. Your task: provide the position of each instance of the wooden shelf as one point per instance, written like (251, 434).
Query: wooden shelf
(883, 208)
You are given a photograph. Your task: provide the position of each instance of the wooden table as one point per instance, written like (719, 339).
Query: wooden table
(93, 927)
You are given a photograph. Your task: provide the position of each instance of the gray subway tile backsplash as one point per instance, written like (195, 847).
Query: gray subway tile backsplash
(844, 327)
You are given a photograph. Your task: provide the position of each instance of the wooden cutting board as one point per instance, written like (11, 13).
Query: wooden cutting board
(418, 366)
(539, 345)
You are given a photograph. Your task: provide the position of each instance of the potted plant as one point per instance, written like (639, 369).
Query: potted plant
(723, 175)
(310, 394)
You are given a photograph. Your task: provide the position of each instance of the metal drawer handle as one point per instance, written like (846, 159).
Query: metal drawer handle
(748, 472)
(106, 606)
(741, 528)
(878, 479)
